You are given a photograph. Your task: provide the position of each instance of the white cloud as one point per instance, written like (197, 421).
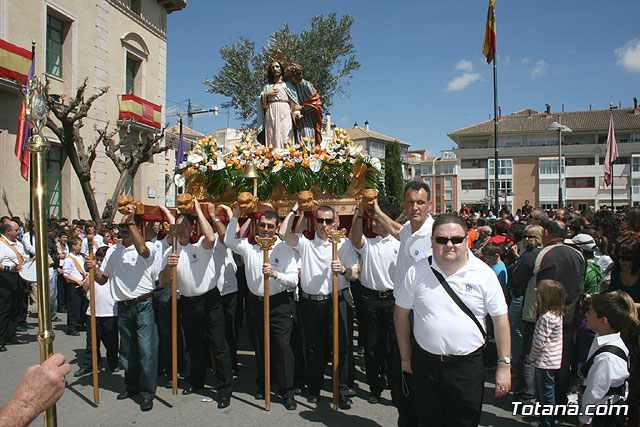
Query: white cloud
(524, 61)
(461, 82)
(629, 55)
(506, 60)
(464, 65)
(344, 119)
(540, 69)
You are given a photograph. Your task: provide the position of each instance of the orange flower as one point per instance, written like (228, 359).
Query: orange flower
(326, 157)
(326, 168)
(316, 156)
(261, 167)
(238, 166)
(278, 156)
(305, 163)
(259, 152)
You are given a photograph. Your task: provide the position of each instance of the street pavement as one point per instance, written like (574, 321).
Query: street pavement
(76, 407)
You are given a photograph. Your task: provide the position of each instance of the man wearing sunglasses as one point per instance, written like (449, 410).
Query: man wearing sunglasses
(129, 265)
(282, 271)
(200, 303)
(316, 288)
(446, 360)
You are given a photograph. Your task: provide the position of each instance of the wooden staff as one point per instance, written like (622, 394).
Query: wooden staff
(173, 231)
(266, 243)
(334, 237)
(94, 335)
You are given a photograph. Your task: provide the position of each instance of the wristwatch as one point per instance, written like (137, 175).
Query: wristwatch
(506, 360)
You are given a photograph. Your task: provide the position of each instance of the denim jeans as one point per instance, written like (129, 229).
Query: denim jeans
(545, 381)
(53, 292)
(526, 375)
(139, 347)
(517, 330)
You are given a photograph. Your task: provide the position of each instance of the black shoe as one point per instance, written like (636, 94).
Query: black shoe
(56, 319)
(290, 403)
(168, 384)
(82, 371)
(62, 309)
(349, 392)
(15, 340)
(313, 398)
(373, 399)
(258, 395)
(126, 394)
(28, 326)
(146, 405)
(224, 402)
(191, 389)
(344, 402)
(2, 348)
(113, 370)
(21, 328)
(72, 332)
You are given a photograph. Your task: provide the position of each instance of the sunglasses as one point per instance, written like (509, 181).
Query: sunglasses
(456, 240)
(327, 221)
(528, 237)
(267, 226)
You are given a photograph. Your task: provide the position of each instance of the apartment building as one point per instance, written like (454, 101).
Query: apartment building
(440, 173)
(117, 43)
(529, 153)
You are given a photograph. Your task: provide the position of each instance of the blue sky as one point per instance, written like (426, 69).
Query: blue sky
(422, 71)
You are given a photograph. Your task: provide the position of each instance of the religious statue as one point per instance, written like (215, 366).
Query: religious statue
(275, 108)
(308, 103)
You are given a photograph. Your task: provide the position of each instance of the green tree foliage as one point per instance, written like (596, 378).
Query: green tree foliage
(325, 51)
(392, 194)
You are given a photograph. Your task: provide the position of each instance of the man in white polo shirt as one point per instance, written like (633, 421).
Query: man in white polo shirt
(447, 360)
(378, 257)
(282, 270)
(129, 265)
(200, 304)
(316, 288)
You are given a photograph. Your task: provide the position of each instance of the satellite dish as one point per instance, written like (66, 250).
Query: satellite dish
(179, 180)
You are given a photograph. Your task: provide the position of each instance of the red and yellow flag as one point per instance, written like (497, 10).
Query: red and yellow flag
(14, 62)
(489, 47)
(145, 112)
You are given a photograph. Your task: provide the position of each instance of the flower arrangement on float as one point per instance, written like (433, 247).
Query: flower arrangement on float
(330, 166)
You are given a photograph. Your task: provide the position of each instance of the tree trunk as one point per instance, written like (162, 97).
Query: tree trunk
(109, 211)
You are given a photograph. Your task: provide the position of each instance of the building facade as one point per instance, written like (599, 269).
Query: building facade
(529, 153)
(375, 143)
(440, 173)
(121, 44)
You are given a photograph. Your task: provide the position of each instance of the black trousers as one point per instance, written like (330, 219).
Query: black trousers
(162, 310)
(62, 292)
(107, 333)
(563, 377)
(448, 393)
(317, 322)
(281, 325)
(203, 316)
(230, 306)
(11, 296)
(378, 336)
(297, 344)
(76, 306)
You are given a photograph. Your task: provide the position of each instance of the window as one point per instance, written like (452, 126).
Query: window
(636, 186)
(636, 164)
(474, 184)
(55, 40)
(588, 182)
(448, 188)
(131, 72)
(376, 149)
(549, 206)
(504, 186)
(510, 143)
(549, 166)
(54, 177)
(505, 167)
(579, 161)
(618, 161)
(582, 206)
(448, 207)
(445, 169)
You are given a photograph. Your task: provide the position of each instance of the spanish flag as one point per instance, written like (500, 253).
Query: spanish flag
(145, 112)
(14, 62)
(489, 47)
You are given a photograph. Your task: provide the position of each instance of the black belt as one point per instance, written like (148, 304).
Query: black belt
(445, 358)
(195, 297)
(305, 295)
(377, 294)
(271, 297)
(137, 300)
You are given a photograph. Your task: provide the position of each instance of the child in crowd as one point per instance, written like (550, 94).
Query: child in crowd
(606, 369)
(546, 350)
(74, 274)
(106, 324)
(491, 254)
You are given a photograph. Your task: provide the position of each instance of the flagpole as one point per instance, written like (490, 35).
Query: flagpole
(495, 142)
(611, 162)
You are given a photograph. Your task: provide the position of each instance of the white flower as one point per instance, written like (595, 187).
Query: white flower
(352, 160)
(324, 144)
(357, 149)
(219, 165)
(202, 168)
(281, 151)
(277, 167)
(375, 162)
(194, 158)
(315, 165)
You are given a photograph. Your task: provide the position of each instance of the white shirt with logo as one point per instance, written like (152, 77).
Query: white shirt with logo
(440, 326)
(413, 247)
(131, 275)
(378, 258)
